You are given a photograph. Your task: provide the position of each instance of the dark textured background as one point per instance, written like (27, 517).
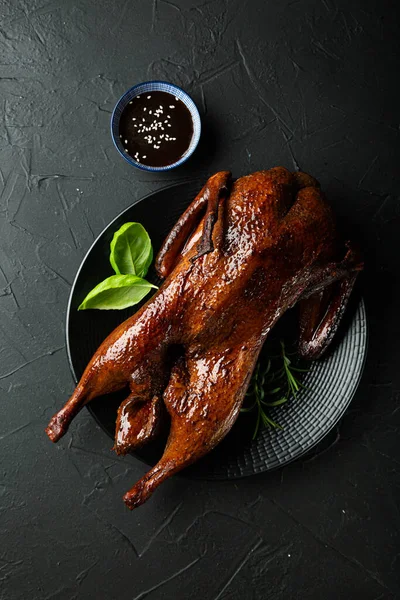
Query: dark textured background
(299, 82)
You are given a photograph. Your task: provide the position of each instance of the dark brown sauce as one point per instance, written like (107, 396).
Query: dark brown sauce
(156, 129)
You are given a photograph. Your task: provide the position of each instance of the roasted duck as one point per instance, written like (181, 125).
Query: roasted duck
(237, 259)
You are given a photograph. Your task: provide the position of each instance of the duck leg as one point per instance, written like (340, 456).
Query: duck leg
(91, 385)
(203, 399)
(134, 355)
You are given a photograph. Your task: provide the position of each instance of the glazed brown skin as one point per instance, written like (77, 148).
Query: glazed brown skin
(234, 263)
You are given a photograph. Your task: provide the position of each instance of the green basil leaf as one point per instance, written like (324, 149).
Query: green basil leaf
(131, 250)
(117, 292)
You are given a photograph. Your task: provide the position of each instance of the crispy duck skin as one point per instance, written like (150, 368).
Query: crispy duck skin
(237, 259)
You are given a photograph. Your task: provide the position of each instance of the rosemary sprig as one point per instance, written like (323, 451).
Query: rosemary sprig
(273, 383)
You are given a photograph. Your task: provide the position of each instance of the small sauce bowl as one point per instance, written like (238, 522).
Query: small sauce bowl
(147, 88)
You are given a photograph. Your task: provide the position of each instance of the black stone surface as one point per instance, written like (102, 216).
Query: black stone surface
(306, 82)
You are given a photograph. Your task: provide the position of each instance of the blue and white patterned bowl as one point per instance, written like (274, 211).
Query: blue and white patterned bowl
(155, 86)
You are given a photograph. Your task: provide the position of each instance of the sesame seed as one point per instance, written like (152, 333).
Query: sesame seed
(126, 141)
(130, 102)
(126, 149)
(171, 106)
(169, 125)
(145, 108)
(148, 97)
(144, 156)
(143, 119)
(176, 98)
(133, 118)
(150, 112)
(137, 96)
(120, 136)
(165, 121)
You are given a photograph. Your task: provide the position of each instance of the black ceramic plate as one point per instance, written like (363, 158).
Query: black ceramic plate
(331, 382)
